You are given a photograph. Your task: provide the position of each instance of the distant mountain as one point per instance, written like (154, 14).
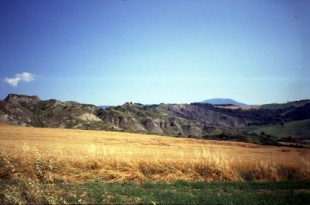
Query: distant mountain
(223, 101)
(105, 106)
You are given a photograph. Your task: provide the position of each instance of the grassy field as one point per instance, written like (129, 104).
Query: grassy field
(36, 160)
(178, 192)
(295, 129)
(275, 106)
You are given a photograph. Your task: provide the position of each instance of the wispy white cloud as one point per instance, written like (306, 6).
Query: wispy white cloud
(20, 77)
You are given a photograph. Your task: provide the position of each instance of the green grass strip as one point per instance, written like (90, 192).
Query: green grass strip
(179, 192)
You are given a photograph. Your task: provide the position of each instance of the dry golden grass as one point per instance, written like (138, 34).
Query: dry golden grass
(77, 155)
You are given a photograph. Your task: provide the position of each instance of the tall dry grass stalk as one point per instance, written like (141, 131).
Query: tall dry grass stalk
(74, 155)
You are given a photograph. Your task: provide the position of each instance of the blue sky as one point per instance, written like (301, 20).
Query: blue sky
(108, 52)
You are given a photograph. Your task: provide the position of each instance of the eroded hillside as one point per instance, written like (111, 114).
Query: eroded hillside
(189, 120)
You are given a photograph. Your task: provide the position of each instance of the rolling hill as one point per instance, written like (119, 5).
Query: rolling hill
(276, 106)
(198, 120)
(298, 129)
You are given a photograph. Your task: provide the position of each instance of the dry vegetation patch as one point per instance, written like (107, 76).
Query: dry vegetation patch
(77, 155)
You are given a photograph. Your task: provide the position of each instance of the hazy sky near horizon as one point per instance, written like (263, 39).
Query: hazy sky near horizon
(108, 52)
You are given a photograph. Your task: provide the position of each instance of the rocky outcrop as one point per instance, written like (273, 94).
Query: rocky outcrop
(154, 126)
(29, 102)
